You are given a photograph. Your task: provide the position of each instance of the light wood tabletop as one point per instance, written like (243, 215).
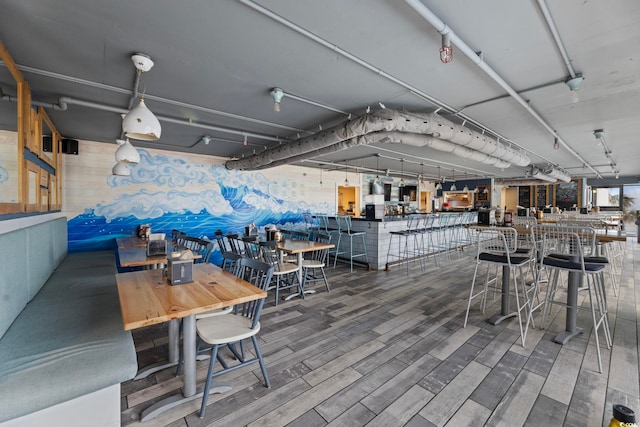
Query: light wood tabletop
(300, 246)
(137, 257)
(146, 297)
(131, 242)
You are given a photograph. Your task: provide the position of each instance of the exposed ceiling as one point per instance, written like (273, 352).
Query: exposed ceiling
(217, 61)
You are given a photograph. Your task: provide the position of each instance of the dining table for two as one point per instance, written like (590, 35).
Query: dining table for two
(147, 298)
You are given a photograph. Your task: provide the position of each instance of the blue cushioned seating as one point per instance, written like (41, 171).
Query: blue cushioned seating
(68, 341)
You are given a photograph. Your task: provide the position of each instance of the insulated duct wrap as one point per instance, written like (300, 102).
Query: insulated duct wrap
(410, 128)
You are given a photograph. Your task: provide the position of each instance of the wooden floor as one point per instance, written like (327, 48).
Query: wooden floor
(387, 349)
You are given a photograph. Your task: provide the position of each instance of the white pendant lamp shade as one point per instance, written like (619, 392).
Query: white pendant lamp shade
(121, 169)
(140, 123)
(127, 153)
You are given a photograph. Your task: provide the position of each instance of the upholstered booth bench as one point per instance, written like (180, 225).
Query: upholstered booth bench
(63, 349)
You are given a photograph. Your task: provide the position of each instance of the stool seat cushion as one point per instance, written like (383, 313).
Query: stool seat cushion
(589, 259)
(502, 259)
(572, 265)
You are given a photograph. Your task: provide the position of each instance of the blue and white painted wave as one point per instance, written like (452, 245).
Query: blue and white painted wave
(201, 200)
(4, 175)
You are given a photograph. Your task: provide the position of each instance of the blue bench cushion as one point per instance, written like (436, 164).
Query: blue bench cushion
(68, 341)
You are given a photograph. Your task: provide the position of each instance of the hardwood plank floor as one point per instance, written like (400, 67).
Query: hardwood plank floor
(388, 349)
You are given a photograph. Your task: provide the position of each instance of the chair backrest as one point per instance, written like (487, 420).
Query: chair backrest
(321, 254)
(270, 254)
(259, 274)
(308, 219)
(231, 262)
(575, 241)
(501, 241)
(323, 222)
(198, 246)
(299, 235)
(427, 223)
(235, 244)
(344, 223)
(221, 241)
(251, 248)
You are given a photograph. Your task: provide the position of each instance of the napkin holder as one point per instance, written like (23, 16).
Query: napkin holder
(156, 247)
(180, 271)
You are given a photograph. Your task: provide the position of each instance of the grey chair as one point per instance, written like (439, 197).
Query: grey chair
(313, 265)
(230, 329)
(285, 274)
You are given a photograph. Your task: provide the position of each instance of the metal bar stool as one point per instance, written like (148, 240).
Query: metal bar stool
(344, 223)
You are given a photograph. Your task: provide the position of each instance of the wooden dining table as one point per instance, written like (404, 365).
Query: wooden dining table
(147, 298)
(299, 248)
(131, 242)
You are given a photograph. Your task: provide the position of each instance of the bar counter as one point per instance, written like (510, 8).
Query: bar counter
(378, 236)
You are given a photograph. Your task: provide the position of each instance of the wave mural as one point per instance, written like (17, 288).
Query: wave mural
(200, 199)
(4, 175)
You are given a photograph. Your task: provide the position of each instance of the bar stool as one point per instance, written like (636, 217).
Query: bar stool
(344, 223)
(403, 237)
(323, 226)
(565, 249)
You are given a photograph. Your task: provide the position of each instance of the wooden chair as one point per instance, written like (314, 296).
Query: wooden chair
(244, 323)
(198, 246)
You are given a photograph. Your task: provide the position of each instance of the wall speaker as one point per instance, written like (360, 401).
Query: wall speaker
(46, 144)
(70, 146)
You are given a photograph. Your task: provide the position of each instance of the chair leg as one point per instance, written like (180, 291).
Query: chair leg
(263, 367)
(207, 386)
(471, 295)
(595, 328)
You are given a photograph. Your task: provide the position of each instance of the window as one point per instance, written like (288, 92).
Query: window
(607, 197)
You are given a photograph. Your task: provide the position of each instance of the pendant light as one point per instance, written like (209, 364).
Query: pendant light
(126, 152)
(453, 186)
(121, 169)
(475, 185)
(401, 173)
(377, 180)
(139, 122)
(466, 187)
(346, 179)
(439, 184)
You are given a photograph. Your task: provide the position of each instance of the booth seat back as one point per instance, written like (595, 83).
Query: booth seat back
(28, 257)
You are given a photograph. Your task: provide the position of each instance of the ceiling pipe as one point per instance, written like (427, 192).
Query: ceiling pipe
(384, 137)
(443, 29)
(538, 174)
(148, 97)
(542, 4)
(519, 182)
(64, 101)
(383, 120)
(558, 174)
(412, 89)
